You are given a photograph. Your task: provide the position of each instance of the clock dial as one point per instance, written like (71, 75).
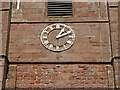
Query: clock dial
(57, 37)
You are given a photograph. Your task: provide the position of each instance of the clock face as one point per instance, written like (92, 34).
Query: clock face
(57, 37)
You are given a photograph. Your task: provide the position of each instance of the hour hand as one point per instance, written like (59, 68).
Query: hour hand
(60, 32)
(63, 30)
(64, 34)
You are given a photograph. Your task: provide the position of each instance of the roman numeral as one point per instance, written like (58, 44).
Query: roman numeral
(46, 42)
(69, 42)
(45, 37)
(64, 46)
(46, 32)
(57, 47)
(51, 28)
(57, 26)
(50, 46)
(71, 36)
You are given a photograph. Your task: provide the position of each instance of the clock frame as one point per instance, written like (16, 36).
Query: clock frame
(64, 33)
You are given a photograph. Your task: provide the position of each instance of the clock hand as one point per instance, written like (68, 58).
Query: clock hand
(59, 36)
(60, 32)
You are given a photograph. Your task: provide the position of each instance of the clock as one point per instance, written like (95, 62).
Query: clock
(57, 37)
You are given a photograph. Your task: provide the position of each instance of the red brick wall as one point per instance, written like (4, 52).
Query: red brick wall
(4, 27)
(62, 76)
(82, 11)
(4, 30)
(114, 29)
(117, 72)
(25, 46)
(4, 5)
(4, 11)
(113, 10)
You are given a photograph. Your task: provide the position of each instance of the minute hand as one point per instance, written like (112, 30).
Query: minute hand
(59, 36)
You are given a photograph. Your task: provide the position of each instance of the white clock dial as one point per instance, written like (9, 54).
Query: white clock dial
(57, 37)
